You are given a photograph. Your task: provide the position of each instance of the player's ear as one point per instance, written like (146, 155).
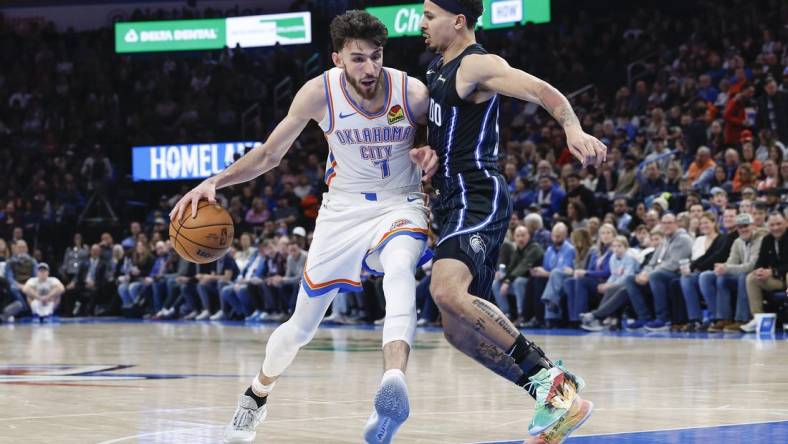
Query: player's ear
(337, 59)
(459, 22)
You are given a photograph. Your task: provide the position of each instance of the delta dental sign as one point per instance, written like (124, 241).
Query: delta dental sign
(183, 162)
(206, 34)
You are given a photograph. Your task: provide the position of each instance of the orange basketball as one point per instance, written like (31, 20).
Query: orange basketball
(204, 238)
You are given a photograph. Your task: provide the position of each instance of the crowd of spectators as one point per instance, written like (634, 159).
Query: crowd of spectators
(686, 213)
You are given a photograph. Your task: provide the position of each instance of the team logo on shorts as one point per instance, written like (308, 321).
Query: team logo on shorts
(477, 244)
(396, 114)
(400, 223)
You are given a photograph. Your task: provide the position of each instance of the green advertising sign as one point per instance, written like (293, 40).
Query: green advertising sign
(405, 20)
(186, 35)
(172, 35)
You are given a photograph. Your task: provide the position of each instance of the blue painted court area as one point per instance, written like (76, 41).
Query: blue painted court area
(766, 432)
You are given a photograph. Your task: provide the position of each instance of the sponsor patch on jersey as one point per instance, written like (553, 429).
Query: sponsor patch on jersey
(396, 114)
(400, 223)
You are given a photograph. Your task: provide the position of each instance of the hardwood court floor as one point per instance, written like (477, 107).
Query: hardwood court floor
(177, 382)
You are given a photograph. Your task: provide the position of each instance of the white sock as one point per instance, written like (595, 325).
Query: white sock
(261, 389)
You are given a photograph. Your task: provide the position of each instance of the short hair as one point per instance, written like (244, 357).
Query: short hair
(357, 25)
(760, 205)
(475, 7)
(534, 218)
(657, 231)
(621, 240)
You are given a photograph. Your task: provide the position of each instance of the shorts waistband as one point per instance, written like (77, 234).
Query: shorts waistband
(374, 196)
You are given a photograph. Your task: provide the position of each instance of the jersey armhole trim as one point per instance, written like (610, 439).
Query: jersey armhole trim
(405, 101)
(329, 103)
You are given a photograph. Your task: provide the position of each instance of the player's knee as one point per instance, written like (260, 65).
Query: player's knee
(443, 293)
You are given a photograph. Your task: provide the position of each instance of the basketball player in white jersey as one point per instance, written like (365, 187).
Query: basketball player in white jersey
(373, 216)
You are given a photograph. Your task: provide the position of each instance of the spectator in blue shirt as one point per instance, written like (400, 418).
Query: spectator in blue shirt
(556, 268)
(585, 282)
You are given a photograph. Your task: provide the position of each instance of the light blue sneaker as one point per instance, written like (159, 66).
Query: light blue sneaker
(391, 410)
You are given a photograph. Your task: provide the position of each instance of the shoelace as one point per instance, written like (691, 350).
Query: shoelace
(541, 383)
(245, 420)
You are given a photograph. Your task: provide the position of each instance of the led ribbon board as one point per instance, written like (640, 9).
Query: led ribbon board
(183, 162)
(205, 34)
(405, 20)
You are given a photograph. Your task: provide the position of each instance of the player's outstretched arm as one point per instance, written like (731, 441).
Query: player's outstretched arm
(309, 104)
(419, 101)
(492, 73)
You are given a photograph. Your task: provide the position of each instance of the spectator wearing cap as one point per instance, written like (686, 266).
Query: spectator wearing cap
(299, 236)
(701, 170)
(735, 115)
(770, 269)
(676, 247)
(43, 292)
(732, 275)
(773, 110)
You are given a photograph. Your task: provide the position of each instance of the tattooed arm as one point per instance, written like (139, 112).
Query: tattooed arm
(489, 72)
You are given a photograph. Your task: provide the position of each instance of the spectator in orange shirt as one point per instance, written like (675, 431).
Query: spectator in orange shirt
(703, 164)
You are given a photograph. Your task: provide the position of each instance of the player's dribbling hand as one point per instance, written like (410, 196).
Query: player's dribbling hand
(205, 190)
(426, 158)
(586, 147)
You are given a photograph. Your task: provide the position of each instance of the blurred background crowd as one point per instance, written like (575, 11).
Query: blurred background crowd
(682, 228)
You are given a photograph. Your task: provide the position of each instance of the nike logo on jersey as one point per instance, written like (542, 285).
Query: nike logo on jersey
(441, 79)
(413, 199)
(429, 71)
(342, 116)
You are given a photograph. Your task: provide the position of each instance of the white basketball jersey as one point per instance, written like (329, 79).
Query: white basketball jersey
(369, 152)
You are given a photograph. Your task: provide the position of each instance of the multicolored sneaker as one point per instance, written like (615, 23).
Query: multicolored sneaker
(578, 414)
(580, 384)
(555, 391)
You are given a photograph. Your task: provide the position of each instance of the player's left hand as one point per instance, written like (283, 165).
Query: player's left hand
(586, 147)
(426, 158)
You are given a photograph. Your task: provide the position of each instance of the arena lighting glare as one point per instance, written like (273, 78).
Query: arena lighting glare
(183, 162)
(405, 20)
(189, 35)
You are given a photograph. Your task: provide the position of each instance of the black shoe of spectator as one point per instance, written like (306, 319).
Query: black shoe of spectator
(552, 324)
(533, 323)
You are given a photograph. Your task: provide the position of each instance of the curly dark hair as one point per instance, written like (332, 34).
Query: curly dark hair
(476, 7)
(356, 24)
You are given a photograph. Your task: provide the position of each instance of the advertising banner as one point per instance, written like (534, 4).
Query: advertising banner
(206, 34)
(183, 162)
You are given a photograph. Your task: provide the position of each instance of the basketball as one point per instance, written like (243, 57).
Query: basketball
(204, 238)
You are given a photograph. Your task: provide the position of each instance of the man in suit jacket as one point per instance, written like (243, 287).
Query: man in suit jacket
(88, 285)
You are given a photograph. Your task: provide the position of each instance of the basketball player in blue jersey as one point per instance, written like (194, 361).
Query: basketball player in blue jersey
(373, 216)
(473, 208)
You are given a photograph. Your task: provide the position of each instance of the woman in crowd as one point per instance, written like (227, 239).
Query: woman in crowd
(585, 281)
(709, 248)
(614, 292)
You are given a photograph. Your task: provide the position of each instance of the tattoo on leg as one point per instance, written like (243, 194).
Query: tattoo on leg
(479, 325)
(497, 317)
(496, 360)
